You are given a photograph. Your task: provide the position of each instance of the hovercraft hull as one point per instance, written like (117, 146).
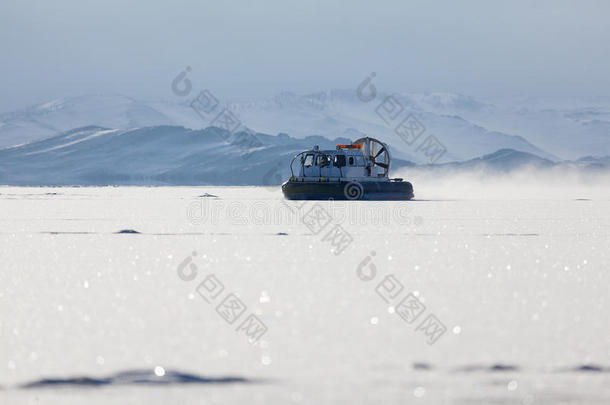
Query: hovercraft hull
(348, 190)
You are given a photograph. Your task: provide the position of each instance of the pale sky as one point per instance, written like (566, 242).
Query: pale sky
(62, 48)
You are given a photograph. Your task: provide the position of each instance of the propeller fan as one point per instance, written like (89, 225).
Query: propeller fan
(376, 153)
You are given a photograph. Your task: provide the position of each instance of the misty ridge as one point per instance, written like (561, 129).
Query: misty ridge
(117, 140)
(178, 156)
(565, 180)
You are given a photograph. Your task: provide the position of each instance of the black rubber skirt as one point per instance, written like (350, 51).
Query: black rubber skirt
(348, 190)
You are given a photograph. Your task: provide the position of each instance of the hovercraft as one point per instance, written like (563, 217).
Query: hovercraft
(358, 171)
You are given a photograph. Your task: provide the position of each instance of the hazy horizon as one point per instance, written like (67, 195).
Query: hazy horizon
(65, 49)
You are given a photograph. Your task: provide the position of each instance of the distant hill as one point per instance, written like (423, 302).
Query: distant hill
(505, 161)
(156, 156)
(170, 155)
(336, 113)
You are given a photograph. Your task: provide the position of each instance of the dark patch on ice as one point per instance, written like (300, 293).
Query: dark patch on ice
(281, 233)
(30, 194)
(206, 195)
(75, 381)
(588, 368)
(503, 367)
(494, 368)
(135, 377)
(582, 199)
(422, 366)
(129, 231)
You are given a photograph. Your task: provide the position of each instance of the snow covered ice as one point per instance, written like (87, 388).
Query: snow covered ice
(519, 283)
(148, 253)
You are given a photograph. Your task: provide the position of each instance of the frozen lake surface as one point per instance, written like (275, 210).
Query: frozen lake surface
(229, 295)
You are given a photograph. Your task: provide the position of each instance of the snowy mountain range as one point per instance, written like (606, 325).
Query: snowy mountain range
(155, 156)
(114, 139)
(169, 155)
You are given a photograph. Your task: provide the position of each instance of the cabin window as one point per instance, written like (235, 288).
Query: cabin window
(322, 160)
(308, 161)
(351, 160)
(339, 160)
